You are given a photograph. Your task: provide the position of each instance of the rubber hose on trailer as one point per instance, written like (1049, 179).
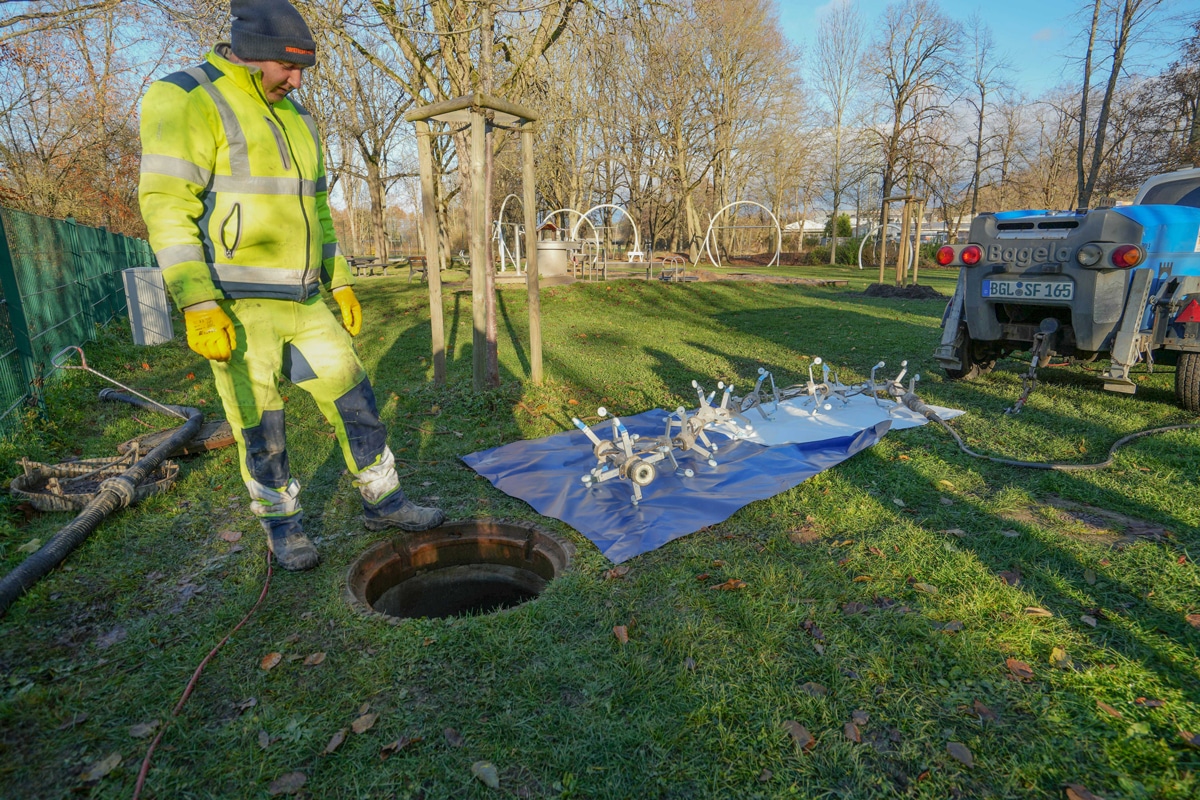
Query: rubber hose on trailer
(114, 494)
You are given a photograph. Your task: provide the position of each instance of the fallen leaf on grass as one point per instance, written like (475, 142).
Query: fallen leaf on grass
(287, 784)
(1090, 577)
(703, 576)
(1059, 659)
(1191, 739)
(1141, 701)
(364, 723)
(75, 719)
(813, 689)
(925, 587)
(1194, 620)
(984, 713)
(947, 485)
(863, 579)
(960, 752)
(875, 551)
(730, 585)
(803, 740)
(99, 769)
(485, 772)
(1089, 620)
(314, 659)
(953, 626)
(959, 532)
(271, 660)
(143, 729)
(1012, 577)
(765, 775)
(1107, 709)
(852, 608)
(248, 703)
(616, 573)
(622, 633)
(231, 536)
(1076, 792)
(851, 732)
(335, 742)
(1019, 668)
(1037, 611)
(395, 747)
(30, 547)
(859, 717)
(813, 630)
(898, 502)
(264, 740)
(1010, 534)
(453, 737)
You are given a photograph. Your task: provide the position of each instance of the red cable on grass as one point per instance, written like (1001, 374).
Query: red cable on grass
(145, 770)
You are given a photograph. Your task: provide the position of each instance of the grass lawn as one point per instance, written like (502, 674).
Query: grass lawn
(888, 594)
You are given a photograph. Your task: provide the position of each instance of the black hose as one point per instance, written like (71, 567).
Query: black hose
(115, 493)
(919, 406)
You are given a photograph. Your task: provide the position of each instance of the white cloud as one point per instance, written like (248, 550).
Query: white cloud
(1044, 35)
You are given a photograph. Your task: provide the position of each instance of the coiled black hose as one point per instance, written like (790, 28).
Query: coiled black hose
(115, 493)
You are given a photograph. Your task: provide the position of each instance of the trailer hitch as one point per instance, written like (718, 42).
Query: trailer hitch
(1043, 344)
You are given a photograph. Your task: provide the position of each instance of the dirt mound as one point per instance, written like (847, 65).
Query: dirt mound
(914, 292)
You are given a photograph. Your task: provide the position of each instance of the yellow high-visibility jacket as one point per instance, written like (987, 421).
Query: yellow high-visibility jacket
(233, 189)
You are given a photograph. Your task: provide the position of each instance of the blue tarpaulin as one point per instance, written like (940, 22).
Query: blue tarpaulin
(546, 474)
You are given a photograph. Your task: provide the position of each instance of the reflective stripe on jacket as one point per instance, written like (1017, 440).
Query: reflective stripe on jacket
(233, 189)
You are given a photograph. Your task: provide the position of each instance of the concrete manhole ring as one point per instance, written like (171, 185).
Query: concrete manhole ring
(464, 567)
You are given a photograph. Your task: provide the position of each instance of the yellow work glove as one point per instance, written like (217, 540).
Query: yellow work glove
(351, 310)
(210, 331)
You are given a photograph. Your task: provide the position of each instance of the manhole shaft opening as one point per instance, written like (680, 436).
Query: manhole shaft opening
(459, 568)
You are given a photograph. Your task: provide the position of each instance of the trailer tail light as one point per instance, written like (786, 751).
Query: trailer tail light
(1127, 255)
(1089, 255)
(971, 255)
(944, 256)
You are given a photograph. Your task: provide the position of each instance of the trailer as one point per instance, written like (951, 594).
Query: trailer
(1117, 283)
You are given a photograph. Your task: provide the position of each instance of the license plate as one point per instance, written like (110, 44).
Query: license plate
(1029, 290)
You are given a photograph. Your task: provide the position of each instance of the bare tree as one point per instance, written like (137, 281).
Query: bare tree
(839, 54)
(986, 78)
(914, 64)
(1127, 17)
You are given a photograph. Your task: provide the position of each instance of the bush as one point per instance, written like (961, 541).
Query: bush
(847, 254)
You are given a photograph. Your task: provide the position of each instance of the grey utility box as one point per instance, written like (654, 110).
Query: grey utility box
(149, 306)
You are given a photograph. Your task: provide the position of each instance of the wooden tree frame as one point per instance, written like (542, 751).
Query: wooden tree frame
(482, 113)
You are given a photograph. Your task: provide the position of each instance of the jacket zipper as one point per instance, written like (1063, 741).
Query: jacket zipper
(299, 188)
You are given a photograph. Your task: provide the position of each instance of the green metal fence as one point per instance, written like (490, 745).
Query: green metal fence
(60, 280)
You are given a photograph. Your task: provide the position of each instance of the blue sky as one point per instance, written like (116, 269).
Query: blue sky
(1038, 35)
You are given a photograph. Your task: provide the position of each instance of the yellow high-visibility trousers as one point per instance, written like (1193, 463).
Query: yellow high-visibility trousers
(303, 342)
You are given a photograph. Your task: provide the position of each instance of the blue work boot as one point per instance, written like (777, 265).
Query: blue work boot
(395, 511)
(286, 539)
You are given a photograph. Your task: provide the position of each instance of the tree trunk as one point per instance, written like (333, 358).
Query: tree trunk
(1128, 12)
(1081, 146)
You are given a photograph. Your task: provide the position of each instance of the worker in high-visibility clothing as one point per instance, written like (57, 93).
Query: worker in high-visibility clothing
(233, 193)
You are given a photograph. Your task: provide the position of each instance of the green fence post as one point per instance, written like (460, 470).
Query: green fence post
(16, 317)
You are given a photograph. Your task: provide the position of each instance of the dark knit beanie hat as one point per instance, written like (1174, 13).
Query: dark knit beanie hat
(270, 30)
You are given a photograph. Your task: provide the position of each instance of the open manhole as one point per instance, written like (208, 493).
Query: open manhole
(467, 567)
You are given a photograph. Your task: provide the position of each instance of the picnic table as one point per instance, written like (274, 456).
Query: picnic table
(367, 265)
